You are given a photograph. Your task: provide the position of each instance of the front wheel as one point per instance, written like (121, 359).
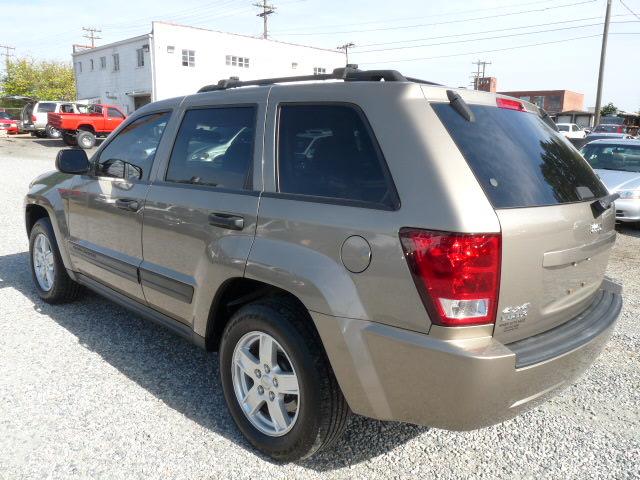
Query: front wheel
(85, 139)
(277, 381)
(50, 277)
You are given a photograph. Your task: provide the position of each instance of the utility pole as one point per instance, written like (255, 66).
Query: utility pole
(346, 48)
(481, 64)
(91, 34)
(7, 53)
(266, 11)
(603, 54)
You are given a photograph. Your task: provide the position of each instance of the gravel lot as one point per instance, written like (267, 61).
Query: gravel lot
(89, 390)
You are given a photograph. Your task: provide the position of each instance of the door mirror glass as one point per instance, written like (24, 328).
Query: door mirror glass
(72, 161)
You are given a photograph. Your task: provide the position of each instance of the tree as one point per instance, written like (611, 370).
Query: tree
(41, 80)
(608, 109)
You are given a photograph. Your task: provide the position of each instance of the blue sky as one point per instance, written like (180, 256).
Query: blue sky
(433, 40)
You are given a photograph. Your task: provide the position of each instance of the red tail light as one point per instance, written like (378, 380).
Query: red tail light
(457, 275)
(33, 118)
(510, 104)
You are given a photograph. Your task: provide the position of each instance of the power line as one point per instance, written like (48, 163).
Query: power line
(488, 38)
(398, 19)
(448, 55)
(91, 34)
(396, 42)
(448, 22)
(627, 7)
(7, 54)
(266, 11)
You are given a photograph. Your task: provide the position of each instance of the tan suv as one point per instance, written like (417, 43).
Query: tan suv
(372, 244)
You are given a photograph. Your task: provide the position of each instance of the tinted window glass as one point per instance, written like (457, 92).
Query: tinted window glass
(214, 147)
(519, 160)
(130, 154)
(46, 107)
(563, 128)
(113, 113)
(613, 157)
(328, 151)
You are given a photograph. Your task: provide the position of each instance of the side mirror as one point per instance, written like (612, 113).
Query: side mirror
(74, 161)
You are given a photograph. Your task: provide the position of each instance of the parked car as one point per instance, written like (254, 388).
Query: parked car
(437, 257)
(83, 129)
(617, 163)
(35, 120)
(571, 130)
(606, 136)
(8, 124)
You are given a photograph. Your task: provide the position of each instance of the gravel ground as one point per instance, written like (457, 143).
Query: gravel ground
(89, 390)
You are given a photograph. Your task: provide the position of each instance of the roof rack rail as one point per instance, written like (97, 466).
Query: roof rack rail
(350, 73)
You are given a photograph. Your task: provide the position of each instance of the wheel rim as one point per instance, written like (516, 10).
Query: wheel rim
(86, 141)
(43, 264)
(265, 384)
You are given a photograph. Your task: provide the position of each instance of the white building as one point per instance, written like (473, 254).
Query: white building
(176, 60)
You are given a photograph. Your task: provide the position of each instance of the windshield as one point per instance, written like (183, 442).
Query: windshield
(5, 115)
(613, 157)
(518, 159)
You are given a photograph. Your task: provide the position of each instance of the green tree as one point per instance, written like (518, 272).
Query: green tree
(42, 80)
(608, 109)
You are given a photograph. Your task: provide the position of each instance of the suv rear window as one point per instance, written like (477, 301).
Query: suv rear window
(518, 159)
(46, 107)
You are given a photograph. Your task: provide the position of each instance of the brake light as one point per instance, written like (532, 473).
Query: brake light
(457, 274)
(510, 104)
(33, 118)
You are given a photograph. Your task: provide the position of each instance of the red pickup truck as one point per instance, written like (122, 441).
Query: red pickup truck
(82, 129)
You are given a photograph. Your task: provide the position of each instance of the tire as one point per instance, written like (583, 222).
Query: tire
(41, 134)
(62, 288)
(321, 412)
(69, 140)
(85, 139)
(53, 132)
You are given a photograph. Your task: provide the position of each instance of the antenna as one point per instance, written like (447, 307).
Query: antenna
(266, 11)
(92, 35)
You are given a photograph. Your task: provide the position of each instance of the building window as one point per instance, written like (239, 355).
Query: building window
(140, 57)
(103, 63)
(91, 64)
(116, 62)
(170, 49)
(234, 61)
(188, 58)
(294, 65)
(319, 71)
(79, 67)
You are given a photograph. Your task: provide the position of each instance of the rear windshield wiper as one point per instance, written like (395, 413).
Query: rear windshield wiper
(460, 106)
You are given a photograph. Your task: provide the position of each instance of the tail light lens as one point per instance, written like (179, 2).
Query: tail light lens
(33, 118)
(457, 275)
(509, 104)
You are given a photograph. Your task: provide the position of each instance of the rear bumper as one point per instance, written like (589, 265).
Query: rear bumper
(393, 374)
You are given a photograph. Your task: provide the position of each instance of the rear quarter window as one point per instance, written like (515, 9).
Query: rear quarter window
(518, 160)
(46, 107)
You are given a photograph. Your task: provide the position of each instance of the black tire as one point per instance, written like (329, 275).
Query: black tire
(69, 140)
(63, 289)
(41, 134)
(323, 412)
(85, 139)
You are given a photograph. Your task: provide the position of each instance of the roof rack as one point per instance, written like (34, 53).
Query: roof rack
(350, 73)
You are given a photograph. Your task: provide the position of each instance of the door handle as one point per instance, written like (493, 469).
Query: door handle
(129, 204)
(226, 220)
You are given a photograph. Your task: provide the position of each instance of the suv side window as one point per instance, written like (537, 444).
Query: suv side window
(328, 150)
(130, 154)
(114, 113)
(214, 147)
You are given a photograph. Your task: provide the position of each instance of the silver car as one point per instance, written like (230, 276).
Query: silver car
(396, 249)
(617, 163)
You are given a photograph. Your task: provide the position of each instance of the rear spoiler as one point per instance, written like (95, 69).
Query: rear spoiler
(600, 206)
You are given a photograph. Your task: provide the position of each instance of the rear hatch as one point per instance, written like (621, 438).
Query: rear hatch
(25, 114)
(554, 248)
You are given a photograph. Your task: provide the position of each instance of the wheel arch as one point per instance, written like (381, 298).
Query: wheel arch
(233, 295)
(86, 128)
